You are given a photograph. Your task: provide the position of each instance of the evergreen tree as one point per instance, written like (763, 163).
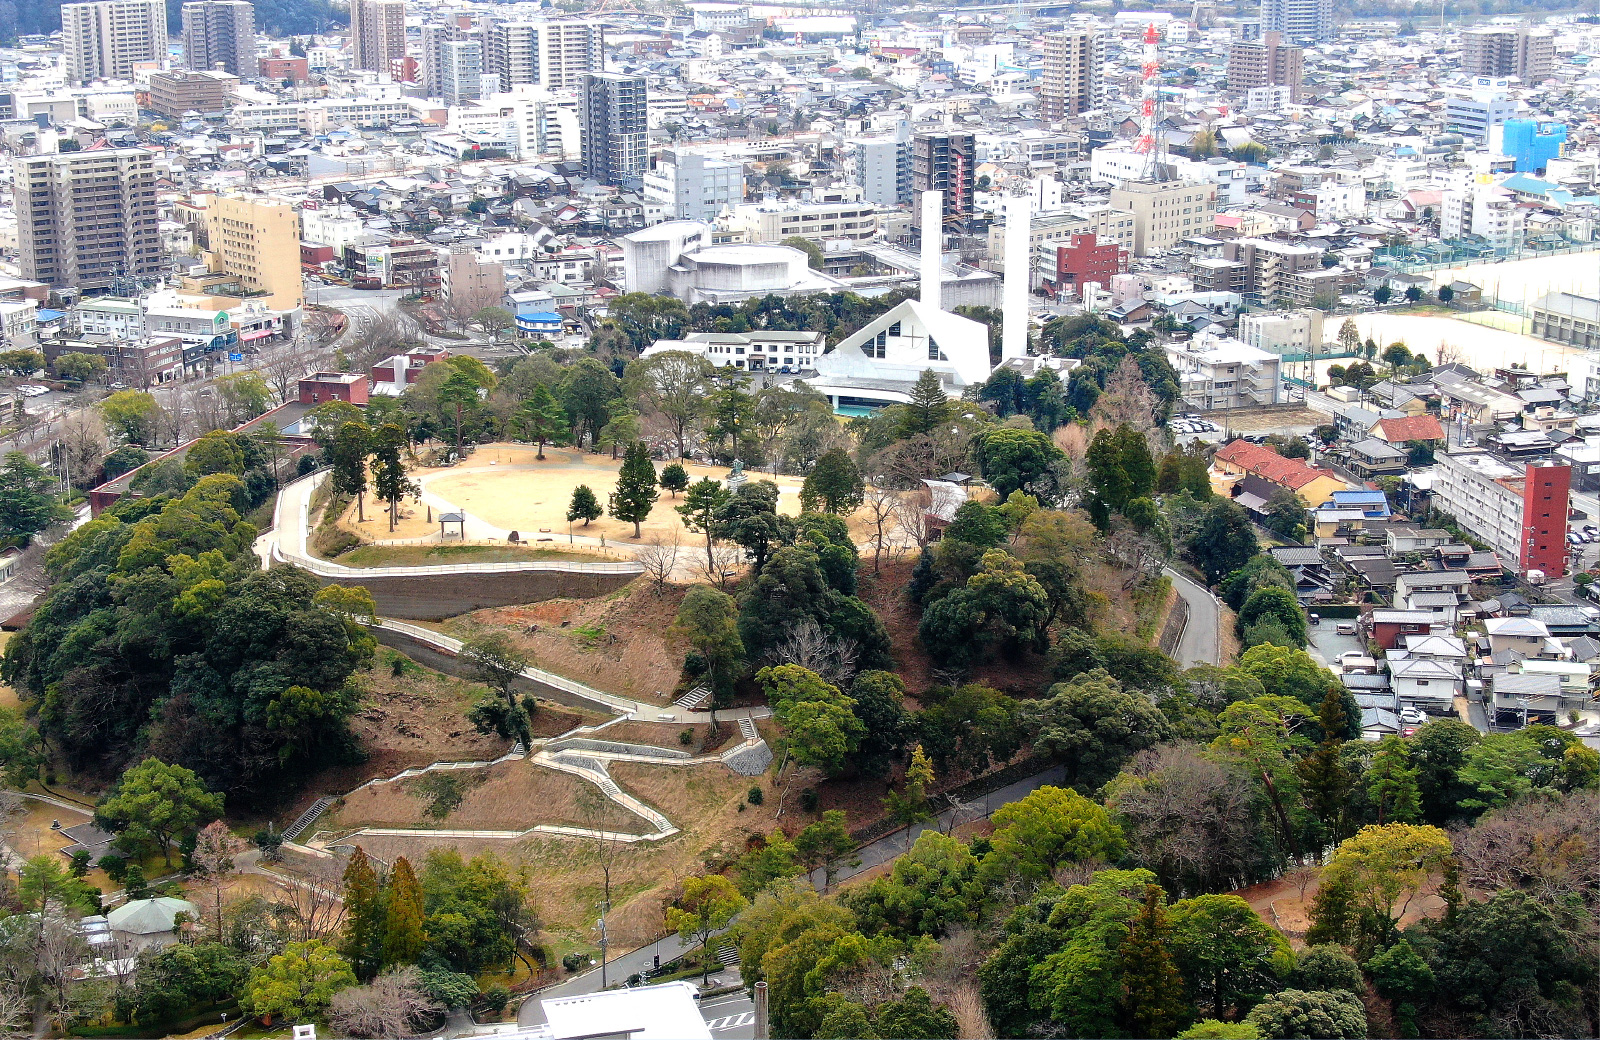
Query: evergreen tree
(1326, 781)
(1152, 1003)
(1140, 469)
(929, 406)
(389, 478)
(674, 478)
(636, 491)
(363, 917)
(402, 923)
(541, 417)
(1391, 783)
(1106, 475)
(348, 457)
(834, 485)
(584, 505)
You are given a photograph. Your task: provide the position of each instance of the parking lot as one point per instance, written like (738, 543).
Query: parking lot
(1327, 644)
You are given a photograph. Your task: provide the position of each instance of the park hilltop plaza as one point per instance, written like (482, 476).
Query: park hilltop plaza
(631, 519)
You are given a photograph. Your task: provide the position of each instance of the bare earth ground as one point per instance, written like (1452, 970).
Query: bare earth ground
(1272, 419)
(442, 555)
(619, 643)
(530, 497)
(1279, 903)
(512, 796)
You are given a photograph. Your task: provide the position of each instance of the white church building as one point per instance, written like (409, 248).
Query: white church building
(877, 365)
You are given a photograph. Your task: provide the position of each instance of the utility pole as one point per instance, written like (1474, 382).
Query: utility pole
(603, 943)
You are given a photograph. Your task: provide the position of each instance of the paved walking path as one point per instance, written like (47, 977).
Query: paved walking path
(1202, 634)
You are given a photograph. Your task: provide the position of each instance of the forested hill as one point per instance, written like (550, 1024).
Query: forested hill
(275, 17)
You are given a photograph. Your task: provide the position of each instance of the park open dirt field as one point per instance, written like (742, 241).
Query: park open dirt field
(507, 488)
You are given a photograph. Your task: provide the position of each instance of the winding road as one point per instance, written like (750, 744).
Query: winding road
(1202, 635)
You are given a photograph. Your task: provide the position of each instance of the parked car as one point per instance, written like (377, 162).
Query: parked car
(1411, 715)
(1346, 628)
(1574, 538)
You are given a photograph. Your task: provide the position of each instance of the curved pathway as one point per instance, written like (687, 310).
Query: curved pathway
(1201, 642)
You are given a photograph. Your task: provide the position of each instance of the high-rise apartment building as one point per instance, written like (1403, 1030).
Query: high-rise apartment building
(946, 162)
(615, 131)
(377, 33)
(1074, 63)
(554, 54)
(434, 36)
(256, 238)
(883, 169)
(1265, 63)
(1509, 50)
(1298, 19)
(461, 71)
(104, 39)
(220, 34)
(86, 219)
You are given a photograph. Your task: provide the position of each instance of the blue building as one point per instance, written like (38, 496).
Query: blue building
(1532, 144)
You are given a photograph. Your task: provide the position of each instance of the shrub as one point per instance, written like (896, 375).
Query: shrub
(754, 796)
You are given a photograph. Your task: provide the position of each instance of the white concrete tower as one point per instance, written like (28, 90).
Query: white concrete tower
(932, 246)
(1014, 293)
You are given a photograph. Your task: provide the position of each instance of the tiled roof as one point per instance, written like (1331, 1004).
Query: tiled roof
(1269, 465)
(1411, 428)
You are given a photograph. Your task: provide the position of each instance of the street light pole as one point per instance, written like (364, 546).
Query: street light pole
(603, 944)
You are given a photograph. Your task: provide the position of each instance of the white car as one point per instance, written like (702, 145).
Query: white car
(32, 390)
(1412, 715)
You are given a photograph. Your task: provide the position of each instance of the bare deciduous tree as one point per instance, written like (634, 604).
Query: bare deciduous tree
(882, 507)
(912, 516)
(381, 334)
(311, 904)
(808, 645)
(659, 557)
(214, 851)
(393, 1004)
(286, 364)
(719, 566)
(83, 439)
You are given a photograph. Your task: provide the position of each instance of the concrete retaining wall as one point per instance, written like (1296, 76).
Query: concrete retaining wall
(433, 597)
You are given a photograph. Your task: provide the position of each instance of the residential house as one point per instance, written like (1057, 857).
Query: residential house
(1424, 428)
(1521, 699)
(1313, 579)
(1423, 682)
(1370, 457)
(1400, 539)
(1241, 458)
(1524, 635)
(1388, 626)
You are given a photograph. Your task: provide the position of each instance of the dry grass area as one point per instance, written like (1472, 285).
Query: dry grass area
(416, 717)
(443, 555)
(511, 796)
(1285, 903)
(28, 832)
(1250, 420)
(566, 878)
(665, 735)
(619, 643)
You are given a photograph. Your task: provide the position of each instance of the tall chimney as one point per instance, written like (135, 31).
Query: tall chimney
(932, 246)
(762, 1030)
(1014, 293)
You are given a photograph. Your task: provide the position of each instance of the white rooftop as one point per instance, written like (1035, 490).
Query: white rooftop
(664, 1012)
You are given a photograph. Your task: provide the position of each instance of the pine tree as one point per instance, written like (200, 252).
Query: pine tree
(674, 477)
(584, 505)
(1152, 1002)
(1392, 783)
(541, 418)
(636, 487)
(402, 923)
(389, 478)
(929, 406)
(1326, 781)
(363, 916)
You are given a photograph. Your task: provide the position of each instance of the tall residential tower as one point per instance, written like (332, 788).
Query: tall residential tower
(377, 33)
(615, 132)
(104, 39)
(86, 219)
(1073, 73)
(220, 34)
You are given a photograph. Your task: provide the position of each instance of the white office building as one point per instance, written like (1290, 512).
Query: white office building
(693, 186)
(460, 71)
(883, 168)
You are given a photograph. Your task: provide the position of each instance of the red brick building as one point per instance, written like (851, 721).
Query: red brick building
(350, 387)
(1084, 259)
(296, 69)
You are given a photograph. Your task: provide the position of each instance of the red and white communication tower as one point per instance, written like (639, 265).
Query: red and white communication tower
(1150, 105)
